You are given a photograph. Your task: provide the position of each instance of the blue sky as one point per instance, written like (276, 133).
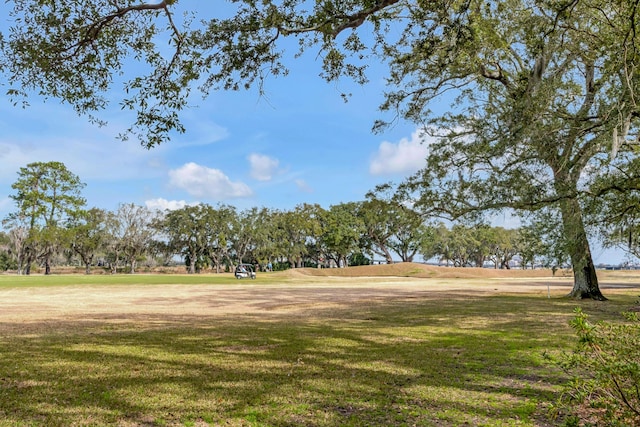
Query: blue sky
(298, 143)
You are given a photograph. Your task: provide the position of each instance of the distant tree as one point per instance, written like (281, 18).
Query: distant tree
(460, 246)
(87, 234)
(377, 216)
(185, 232)
(291, 231)
(341, 233)
(410, 230)
(392, 225)
(502, 245)
(47, 194)
(433, 242)
(6, 262)
(18, 233)
(245, 234)
(130, 233)
(217, 243)
(530, 246)
(265, 248)
(483, 238)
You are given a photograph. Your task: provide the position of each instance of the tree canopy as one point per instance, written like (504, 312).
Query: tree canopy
(77, 51)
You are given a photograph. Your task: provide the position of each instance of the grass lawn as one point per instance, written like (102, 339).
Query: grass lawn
(450, 359)
(124, 279)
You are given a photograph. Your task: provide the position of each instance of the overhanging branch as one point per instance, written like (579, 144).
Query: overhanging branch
(340, 22)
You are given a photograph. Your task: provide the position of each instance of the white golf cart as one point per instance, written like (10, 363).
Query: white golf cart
(245, 271)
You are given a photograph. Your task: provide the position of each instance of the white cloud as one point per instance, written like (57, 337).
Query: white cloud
(203, 182)
(263, 167)
(303, 186)
(405, 157)
(47, 132)
(161, 204)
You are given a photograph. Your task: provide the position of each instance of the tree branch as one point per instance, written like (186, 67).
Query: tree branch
(357, 19)
(342, 21)
(496, 75)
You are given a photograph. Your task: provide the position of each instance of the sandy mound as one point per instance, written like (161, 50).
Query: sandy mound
(411, 269)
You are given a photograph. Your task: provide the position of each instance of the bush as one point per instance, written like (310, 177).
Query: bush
(604, 369)
(6, 262)
(358, 259)
(281, 266)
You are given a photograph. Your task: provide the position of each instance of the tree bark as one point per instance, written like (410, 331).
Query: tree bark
(192, 263)
(86, 260)
(28, 261)
(387, 255)
(383, 251)
(585, 280)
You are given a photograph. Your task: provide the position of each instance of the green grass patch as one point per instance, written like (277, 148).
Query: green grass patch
(429, 362)
(39, 280)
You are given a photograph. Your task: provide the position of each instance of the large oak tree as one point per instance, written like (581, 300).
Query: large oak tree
(546, 97)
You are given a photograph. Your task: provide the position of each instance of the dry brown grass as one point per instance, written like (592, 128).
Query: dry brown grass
(412, 269)
(401, 344)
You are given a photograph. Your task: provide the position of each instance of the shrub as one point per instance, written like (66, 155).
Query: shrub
(604, 370)
(6, 262)
(358, 259)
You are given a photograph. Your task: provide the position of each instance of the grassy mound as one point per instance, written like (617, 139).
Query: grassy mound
(412, 269)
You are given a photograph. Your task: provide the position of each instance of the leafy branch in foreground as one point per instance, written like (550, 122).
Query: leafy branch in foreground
(78, 51)
(604, 368)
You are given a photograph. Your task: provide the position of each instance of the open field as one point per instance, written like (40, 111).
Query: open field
(385, 346)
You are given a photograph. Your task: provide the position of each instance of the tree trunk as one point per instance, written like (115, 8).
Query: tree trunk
(386, 254)
(585, 280)
(192, 263)
(87, 263)
(27, 263)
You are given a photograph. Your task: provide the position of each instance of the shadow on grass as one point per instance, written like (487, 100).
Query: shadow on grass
(421, 362)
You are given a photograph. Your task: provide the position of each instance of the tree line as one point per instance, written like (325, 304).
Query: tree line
(52, 225)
